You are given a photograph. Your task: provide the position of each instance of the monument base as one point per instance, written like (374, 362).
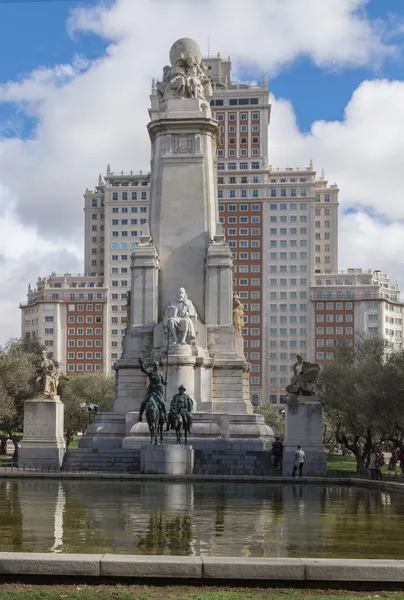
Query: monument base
(304, 428)
(167, 459)
(43, 444)
(107, 431)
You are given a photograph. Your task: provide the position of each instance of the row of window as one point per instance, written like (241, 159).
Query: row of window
(243, 219)
(289, 219)
(283, 307)
(119, 296)
(242, 140)
(124, 233)
(125, 209)
(284, 192)
(244, 231)
(330, 330)
(247, 268)
(289, 319)
(252, 343)
(240, 207)
(80, 307)
(89, 319)
(243, 152)
(282, 356)
(88, 367)
(244, 243)
(125, 196)
(287, 268)
(291, 281)
(252, 331)
(126, 221)
(234, 102)
(242, 193)
(234, 166)
(244, 282)
(80, 355)
(286, 243)
(288, 255)
(286, 343)
(80, 331)
(246, 256)
(81, 344)
(118, 331)
(282, 368)
(231, 117)
(338, 318)
(286, 231)
(334, 305)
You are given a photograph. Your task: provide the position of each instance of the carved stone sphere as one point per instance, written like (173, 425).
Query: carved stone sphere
(187, 47)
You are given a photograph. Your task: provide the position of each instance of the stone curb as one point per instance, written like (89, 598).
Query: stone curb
(83, 475)
(202, 569)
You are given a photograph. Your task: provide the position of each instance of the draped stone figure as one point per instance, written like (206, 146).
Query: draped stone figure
(186, 77)
(47, 379)
(305, 378)
(179, 318)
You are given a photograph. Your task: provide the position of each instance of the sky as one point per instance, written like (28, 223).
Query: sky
(75, 80)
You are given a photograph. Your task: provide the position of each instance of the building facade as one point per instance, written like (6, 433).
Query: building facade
(282, 227)
(67, 314)
(354, 301)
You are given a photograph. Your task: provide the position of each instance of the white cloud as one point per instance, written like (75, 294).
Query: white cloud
(90, 114)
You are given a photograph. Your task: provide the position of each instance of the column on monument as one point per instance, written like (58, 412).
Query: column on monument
(219, 285)
(139, 333)
(144, 286)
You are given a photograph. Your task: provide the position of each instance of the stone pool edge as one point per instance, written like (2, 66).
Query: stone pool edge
(386, 485)
(199, 570)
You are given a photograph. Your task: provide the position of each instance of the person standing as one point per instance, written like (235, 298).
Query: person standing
(277, 452)
(300, 457)
(373, 464)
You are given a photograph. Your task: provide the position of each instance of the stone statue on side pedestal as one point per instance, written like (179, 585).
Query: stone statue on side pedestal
(304, 380)
(238, 313)
(179, 318)
(47, 379)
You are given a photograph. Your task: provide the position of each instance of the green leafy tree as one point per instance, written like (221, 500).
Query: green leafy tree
(19, 361)
(273, 417)
(355, 393)
(84, 389)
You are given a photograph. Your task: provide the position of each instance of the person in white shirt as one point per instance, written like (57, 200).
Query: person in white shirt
(300, 457)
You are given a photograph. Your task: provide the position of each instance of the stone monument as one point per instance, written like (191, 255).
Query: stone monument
(304, 421)
(43, 443)
(182, 310)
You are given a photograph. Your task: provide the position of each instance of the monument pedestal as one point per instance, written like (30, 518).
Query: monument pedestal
(167, 459)
(43, 443)
(304, 428)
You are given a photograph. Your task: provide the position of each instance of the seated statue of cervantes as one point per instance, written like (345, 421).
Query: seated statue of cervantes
(179, 317)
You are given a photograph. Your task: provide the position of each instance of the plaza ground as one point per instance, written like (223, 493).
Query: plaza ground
(135, 592)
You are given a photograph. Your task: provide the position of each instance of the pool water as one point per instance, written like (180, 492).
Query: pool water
(210, 519)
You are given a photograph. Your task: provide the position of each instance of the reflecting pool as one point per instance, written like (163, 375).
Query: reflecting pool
(211, 519)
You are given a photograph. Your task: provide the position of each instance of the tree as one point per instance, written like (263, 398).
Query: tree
(355, 393)
(18, 367)
(84, 389)
(272, 417)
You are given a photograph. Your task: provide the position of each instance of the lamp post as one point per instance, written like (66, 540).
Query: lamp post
(90, 408)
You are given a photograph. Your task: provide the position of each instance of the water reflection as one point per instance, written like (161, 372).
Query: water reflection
(199, 519)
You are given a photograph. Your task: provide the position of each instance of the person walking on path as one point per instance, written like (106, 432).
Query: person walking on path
(373, 464)
(300, 457)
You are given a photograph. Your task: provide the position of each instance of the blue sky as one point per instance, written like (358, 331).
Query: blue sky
(42, 40)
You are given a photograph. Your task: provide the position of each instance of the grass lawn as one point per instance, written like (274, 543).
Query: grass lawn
(338, 462)
(135, 592)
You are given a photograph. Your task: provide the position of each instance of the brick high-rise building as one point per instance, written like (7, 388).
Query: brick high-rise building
(67, 313)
